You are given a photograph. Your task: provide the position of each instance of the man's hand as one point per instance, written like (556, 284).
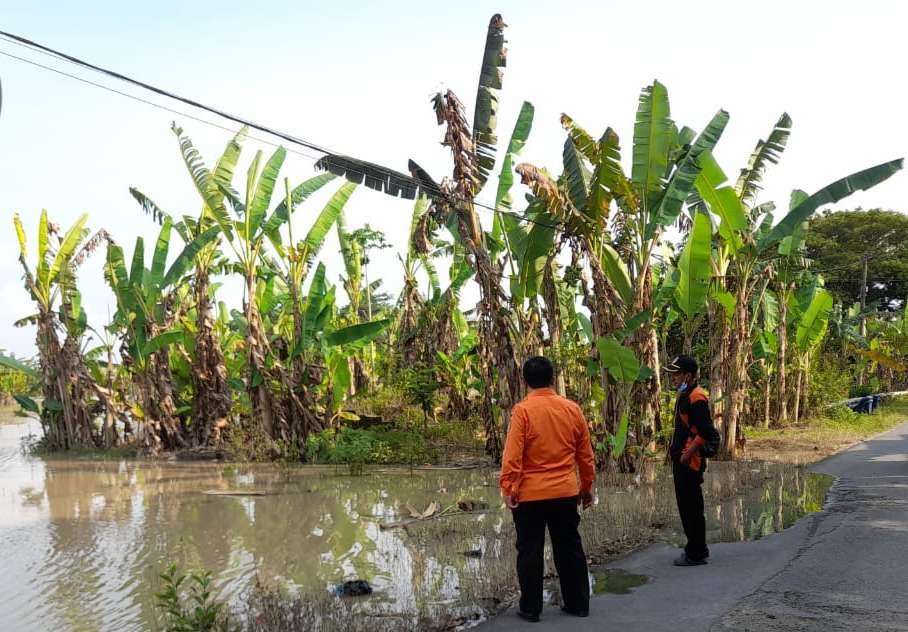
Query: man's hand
(586, 499)
(689, 453)
(511, 501)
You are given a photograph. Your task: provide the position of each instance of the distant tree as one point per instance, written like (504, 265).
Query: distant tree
(839, 242)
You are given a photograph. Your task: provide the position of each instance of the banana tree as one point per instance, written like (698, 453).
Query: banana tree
(323, 336)
(71, 397)
(453, 206)
(618, 247)
(147, 315)
(887, 348)
(302, 366)
(211, 401)
(747, 242)
(247, 231)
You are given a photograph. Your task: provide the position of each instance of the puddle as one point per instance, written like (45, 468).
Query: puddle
(612, 581)
(784, 497)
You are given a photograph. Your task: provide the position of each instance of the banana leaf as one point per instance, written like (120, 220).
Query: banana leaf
(830, 194)
(694, 267)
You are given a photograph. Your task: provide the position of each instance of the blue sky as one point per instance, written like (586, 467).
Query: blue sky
(357, 77)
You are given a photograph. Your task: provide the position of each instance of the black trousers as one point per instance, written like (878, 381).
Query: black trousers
(560, 515)
(689, 494)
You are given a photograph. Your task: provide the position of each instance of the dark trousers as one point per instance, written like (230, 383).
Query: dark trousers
(560, 515)
(689, 494)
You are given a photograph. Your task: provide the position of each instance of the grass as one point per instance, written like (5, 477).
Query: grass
(820, 437)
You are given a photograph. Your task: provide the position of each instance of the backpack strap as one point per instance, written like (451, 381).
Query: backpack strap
(698, 395)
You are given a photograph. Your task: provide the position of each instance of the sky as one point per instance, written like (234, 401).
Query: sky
(357, 77)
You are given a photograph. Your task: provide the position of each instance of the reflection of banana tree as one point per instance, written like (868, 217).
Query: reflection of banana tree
(146, 316)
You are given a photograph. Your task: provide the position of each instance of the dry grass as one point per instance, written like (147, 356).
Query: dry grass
(821, 437)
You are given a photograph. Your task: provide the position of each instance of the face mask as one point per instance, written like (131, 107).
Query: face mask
(683, 388)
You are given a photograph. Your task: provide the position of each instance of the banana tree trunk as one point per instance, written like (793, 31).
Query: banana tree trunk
(805, 391)
(264, 406)
(718, 363)
(211, 393)
(499, 362)
(553, 320)
(736, 386)
(645, 394)
(782, 388)
(604, 303)
(767, 390)
(797, 397)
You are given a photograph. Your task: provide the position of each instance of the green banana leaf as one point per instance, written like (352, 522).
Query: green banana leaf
(162, 340)
(518, 139)
(315, 238)
(830, 194)
(681, 184)
(71, 241)
(159, 258)
(359, 334)
(721, 200)
(813, 323)
(654, 135)
(17, 365)
(768, 151)
(617, 274)
(264, 189)
(485, 116)
(297, 196)
(188, 255)
(576, 175)
(621, 363)
(694, 266)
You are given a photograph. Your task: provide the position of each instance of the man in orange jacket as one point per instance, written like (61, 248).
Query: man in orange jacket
(548, 441)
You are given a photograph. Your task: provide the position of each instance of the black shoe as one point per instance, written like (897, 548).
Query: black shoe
(526, 616)
(684, 560)
(575, 613)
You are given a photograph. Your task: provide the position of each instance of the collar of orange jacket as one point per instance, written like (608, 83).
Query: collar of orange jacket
(536, 392)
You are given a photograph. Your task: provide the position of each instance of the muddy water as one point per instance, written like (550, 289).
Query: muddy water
(84, 540)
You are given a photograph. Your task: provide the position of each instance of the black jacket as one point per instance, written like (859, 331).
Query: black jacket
(693, 421)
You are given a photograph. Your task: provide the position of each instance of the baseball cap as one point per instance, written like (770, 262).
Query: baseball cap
(682, 364)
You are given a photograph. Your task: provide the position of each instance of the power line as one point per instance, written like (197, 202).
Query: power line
(46, 50)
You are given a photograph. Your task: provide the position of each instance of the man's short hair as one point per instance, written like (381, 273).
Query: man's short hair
(538, 372)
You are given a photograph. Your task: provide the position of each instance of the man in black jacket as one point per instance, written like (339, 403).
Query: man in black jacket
(694, 439)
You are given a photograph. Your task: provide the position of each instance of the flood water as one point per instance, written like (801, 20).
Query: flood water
(83, 541)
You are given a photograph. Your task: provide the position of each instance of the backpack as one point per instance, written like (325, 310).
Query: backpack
(711, 436)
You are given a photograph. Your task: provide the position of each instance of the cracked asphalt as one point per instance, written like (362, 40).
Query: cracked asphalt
(844, 568)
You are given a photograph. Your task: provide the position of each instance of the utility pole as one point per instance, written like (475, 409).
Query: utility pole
(866, 259)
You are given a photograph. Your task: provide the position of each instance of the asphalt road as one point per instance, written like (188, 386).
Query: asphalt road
(844, 568)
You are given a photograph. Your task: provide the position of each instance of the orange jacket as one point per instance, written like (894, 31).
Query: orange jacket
(548, 440)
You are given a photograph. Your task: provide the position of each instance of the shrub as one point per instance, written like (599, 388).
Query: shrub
(828, 383)
(356, 448)
(187, 603)
(860, 390)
